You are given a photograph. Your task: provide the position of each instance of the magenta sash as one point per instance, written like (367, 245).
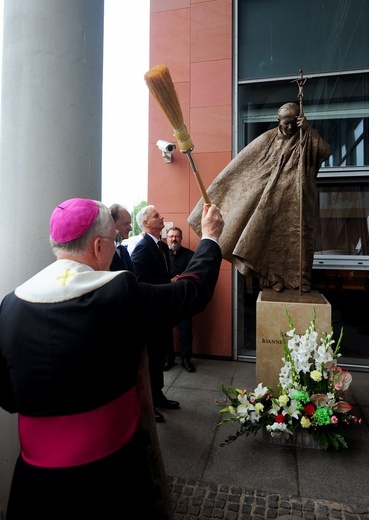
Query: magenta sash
(73, 440)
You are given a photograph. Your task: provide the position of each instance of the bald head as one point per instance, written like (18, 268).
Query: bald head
(287, 115)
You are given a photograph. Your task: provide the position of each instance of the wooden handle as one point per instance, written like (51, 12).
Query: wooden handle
(202, 189)
(199, 180)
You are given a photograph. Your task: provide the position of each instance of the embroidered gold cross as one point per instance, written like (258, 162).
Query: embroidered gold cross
(65, 276)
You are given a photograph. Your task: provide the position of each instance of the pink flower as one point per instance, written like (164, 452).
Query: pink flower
(334, 419)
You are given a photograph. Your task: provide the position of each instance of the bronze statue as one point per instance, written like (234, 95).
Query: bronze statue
(259, 196)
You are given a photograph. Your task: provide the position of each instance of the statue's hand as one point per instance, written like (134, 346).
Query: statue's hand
(302, 122)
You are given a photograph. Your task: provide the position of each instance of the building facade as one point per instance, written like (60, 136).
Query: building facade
(234, 63)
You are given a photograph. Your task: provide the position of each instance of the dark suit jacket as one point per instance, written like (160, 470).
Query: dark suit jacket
(121, 262)
(148, 263)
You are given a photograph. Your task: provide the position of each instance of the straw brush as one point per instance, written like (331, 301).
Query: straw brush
(161, 86)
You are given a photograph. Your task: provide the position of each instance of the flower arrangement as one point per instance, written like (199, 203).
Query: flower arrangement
(310, 394)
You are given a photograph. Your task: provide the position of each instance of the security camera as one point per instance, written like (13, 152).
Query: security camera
(167, 149)
(165, 146)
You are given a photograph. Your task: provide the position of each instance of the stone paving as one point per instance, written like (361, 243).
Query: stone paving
(209, 501)
(276, 482)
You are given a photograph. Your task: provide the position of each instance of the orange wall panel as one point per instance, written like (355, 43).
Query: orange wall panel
(213, 328)
(194, 39)
(211, 127)
(211, 83)
(170, 42)
(211, 30)
(167, 5)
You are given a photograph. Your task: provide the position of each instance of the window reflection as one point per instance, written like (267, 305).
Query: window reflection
(337, 107)
(343, 224)
(335, 36)
(349, 142)
(333, 53)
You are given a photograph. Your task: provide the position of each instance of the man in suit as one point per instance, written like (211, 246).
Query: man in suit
(150, 260)
(132, 242)
(179, 257)
(121, 259)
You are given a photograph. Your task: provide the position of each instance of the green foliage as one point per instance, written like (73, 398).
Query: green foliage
(332, 439)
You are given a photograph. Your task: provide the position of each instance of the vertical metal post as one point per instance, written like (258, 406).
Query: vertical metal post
(300, 82)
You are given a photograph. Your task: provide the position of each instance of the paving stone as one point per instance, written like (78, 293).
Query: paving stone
(194, 500)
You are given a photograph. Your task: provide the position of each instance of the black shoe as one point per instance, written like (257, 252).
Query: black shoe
(163, 402)
(159, 417)
(188, 365)
(169, 363)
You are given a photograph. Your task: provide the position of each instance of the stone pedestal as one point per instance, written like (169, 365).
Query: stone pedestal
(271, 320)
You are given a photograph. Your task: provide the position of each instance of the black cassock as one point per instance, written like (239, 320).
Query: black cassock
(66, 351)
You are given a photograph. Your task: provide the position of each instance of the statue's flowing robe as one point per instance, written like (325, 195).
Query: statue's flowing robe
(258, 194)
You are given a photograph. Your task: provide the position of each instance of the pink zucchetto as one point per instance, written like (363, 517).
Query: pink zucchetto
(72, 218)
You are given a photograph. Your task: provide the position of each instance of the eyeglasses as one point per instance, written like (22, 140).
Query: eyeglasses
(174, 236)
(113, 238)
